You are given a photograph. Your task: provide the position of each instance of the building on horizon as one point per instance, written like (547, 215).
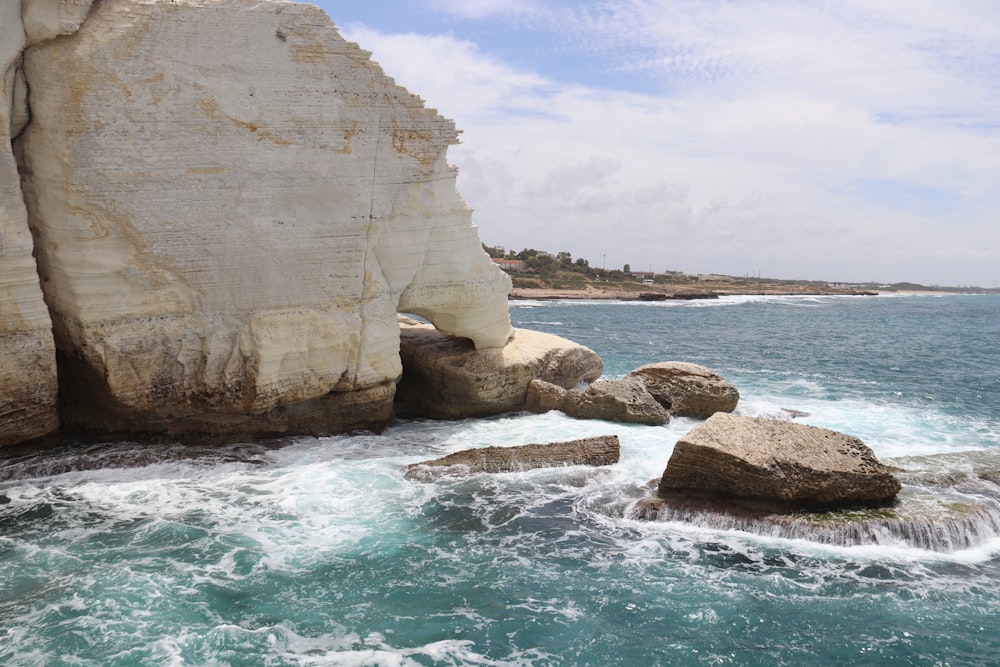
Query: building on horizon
(508, 264)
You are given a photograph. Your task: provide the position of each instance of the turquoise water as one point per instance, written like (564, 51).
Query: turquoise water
(317, 551)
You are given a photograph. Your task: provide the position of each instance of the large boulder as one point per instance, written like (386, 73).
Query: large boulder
(446, 377)
(598, 451)
(948, 502)
(687, 390)
(790, 465)
(230, 203)
(623, 400)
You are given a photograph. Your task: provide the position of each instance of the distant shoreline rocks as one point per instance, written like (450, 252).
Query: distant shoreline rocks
(600, 291)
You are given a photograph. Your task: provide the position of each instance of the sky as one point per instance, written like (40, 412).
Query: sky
(846, 141)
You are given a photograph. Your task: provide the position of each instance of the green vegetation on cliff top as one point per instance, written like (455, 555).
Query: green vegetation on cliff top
(546, 270)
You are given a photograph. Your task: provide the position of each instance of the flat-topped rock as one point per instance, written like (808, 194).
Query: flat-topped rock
(686, 389)
(948, 502)
(792, 465)
(598, 451)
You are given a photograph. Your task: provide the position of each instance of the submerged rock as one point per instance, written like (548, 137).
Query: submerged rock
(598, 451)
(687, 390)
(445, 377)
(623, 400)
(779, 463)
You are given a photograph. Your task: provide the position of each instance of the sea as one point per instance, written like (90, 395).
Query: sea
(319, 551)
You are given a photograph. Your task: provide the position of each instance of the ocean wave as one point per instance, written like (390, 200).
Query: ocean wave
(320, 550)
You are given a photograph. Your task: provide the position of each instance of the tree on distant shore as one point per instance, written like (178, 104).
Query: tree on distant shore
(497, 251)
(544, 263)
(528, 253)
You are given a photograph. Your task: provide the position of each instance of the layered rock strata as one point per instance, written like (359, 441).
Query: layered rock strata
(932, 519)
(446, 377)
(28, 384)
(229, 205)
(777, 463)
(597, 451)
(686, 389)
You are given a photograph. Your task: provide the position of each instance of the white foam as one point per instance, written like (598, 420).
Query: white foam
(889, 429)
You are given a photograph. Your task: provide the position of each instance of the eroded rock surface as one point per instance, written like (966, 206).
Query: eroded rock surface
(948, 502)
(598, 451)
(28, 384)
(230, 203)
(623, 400)
(445, 377)
(686, 389)
(791, 465)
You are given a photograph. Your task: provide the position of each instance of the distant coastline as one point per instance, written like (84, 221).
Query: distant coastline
(642, 292)
(662, 293)
(634, 287)
(537, 274)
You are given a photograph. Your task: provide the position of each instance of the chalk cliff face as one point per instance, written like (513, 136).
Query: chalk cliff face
(229, 204)
(27, 353)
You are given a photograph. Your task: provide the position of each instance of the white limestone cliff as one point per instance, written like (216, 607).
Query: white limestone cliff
(230, 203)
(27, 352)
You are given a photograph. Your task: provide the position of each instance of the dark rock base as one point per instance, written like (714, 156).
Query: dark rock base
(368, 409)
(935, 520)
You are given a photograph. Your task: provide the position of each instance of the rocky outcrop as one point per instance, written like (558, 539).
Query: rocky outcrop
(598, 451)
(948, 502)
(648, 395)
(229, 205)
(612, 400)
(446, 377)
(775, 462)
(28, 385)
(687, 390)
(681, 295)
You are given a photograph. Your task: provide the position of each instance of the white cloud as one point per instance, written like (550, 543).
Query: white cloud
(479, 9)
(452, 73)
(846, 142)
(875, 54)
